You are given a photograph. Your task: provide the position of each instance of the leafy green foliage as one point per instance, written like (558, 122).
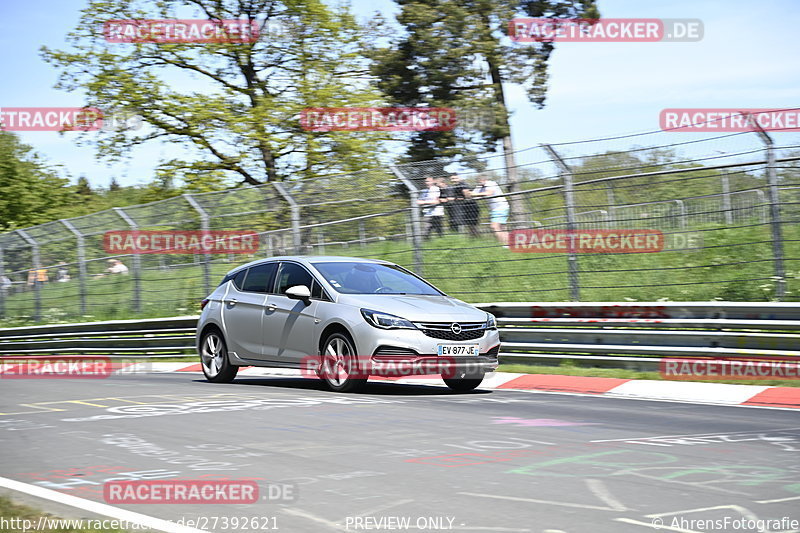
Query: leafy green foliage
(32, 191)
(232, 108)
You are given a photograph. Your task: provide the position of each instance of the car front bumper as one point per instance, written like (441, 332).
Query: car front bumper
(398, 352)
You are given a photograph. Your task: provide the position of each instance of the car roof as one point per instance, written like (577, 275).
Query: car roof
(308, 259)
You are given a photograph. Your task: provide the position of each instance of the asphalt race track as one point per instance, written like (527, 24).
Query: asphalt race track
(406, 457)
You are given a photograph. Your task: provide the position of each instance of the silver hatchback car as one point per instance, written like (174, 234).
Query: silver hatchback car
(342, 319)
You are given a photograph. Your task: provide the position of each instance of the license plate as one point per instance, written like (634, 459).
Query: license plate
(458, 349)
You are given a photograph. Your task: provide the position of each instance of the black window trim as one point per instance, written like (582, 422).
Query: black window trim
(325, 296)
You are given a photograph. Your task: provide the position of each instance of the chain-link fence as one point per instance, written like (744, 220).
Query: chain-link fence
(724, 207)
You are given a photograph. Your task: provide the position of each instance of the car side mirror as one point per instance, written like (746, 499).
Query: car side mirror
(299, 292)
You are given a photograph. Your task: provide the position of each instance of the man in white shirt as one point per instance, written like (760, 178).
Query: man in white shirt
(116, 267)
(498, 207)
(432, 210)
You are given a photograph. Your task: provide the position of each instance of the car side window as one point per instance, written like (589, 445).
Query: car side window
(260, 278)
(292, 274)
(238, 278)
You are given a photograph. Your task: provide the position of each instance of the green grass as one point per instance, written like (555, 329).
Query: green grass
(735, 265)
(14, 513)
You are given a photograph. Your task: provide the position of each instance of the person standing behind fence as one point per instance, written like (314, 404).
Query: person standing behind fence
(451, 207)
(432, 210)
(116, 267)
(466, 208)
(498, 207)
(37, 277)
(5, 284)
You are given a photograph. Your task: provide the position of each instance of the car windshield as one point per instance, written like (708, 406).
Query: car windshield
(373, 278)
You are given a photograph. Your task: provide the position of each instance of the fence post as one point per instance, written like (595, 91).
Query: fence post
(726, 198)
(295, 210)
(320, 242)
(682, 215)
(2, 288)
(137, 262)
(569, 202)
(203, 214)
(416, 225)
(81, 249)
(37, 265)
(774, 210)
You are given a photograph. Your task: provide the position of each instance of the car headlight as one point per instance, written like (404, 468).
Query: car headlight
(491, 322)
(384, 321)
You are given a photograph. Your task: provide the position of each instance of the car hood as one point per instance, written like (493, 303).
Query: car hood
(417, 307)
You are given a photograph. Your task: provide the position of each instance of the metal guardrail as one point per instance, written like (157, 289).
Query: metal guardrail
(633, 335)
(636, 335)
(151, 338)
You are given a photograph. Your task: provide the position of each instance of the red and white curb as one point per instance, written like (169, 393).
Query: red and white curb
(640, 389)
(680, 391)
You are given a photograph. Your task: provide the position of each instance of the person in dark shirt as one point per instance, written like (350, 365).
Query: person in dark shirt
(466, 209)
(451, 208)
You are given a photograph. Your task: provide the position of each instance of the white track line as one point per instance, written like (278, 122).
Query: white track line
(99, 508)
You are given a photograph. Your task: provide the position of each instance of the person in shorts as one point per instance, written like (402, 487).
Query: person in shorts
(498, 207)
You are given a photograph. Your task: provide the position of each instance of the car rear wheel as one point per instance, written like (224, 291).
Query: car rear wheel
(464, 383)
(214, 358)
(340, 367)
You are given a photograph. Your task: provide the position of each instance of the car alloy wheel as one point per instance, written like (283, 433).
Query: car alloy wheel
(214, 358)
(340, 368)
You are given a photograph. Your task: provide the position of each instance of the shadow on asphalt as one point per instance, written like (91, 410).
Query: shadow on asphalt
(372, 387)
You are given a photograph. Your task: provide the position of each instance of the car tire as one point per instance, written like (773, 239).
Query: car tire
(464, 384)
(340, 368)
(214, 358)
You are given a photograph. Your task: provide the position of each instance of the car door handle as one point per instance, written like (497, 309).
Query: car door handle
(271, 307)
(232, 302)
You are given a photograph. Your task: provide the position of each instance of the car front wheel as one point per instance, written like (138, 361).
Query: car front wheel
(340, 364)
(214, 358)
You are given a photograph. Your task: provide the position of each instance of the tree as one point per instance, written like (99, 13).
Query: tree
(230, 107)
(32, 192)
(457, 54)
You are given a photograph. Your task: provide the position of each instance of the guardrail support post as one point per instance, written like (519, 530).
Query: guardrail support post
(81, 249)
(416, 225)
(137, 263)
(37, 265)
(205, 227)
(295, 211)
(569, 202)
(774, 211)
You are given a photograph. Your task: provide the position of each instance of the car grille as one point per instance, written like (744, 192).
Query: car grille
(441, 330)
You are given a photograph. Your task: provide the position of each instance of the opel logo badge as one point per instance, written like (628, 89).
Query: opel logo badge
(455, 327)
